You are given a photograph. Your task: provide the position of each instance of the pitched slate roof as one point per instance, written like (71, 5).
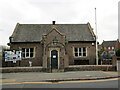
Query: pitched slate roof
(109, 43)
(34, 32)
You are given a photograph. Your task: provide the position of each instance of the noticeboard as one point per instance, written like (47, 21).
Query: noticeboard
(13, 55)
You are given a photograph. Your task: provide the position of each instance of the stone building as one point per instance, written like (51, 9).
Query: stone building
(53, 45)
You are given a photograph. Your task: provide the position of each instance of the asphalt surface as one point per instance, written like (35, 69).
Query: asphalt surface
(109, 83)
(39, 76)
(74, 79)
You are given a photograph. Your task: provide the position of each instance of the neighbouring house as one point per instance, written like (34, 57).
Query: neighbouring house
(119, 44)
(53, 45)
(99, 47)
(110, 45)
(109, 48)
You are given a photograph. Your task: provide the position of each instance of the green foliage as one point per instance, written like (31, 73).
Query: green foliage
(99, 53)
(118, 52)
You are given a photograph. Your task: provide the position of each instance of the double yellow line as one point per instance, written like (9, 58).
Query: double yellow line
(85, 81)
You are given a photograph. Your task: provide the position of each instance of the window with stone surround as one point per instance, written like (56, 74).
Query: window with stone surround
(28, 52)
(80, 52)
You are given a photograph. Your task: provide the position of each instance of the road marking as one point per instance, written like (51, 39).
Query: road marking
(37, 82)
(10, 83)
(88, 81)
(26, 83)
(60, 82)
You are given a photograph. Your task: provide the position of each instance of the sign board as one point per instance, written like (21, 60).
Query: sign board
(112, 53)
(54, 56)
(13, 55)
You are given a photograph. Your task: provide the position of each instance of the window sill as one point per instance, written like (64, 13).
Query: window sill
(85, 57)
(80, 57)
(29, 58)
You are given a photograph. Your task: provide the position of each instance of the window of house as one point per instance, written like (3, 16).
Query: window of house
(28, 52)
(80, 52)
(109, 48)
(76, 51)
(112, 47)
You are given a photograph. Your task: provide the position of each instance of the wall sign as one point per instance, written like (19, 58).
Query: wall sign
(54, 56)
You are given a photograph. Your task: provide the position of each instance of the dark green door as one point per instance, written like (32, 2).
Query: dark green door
(54, 59)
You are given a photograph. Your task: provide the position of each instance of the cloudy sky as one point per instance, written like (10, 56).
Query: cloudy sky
(63, 12)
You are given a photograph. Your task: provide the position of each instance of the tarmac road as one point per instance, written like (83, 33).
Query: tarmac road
(43, 80)
(39, 76)
(104, 83)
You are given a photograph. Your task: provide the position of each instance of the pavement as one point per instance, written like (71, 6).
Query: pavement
(59, 76)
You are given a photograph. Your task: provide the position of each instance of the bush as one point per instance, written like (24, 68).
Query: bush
(118, 52)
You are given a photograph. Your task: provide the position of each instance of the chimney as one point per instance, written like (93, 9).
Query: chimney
(53, 22)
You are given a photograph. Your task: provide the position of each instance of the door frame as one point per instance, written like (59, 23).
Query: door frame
(58, 57)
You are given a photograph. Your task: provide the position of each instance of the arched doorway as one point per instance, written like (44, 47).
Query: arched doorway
(54, 59)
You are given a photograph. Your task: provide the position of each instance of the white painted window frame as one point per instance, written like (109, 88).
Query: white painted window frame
(81, 51)
(29, 53)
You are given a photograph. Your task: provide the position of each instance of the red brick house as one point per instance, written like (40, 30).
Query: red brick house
(109, 48)
(110, 45)
(54, 45)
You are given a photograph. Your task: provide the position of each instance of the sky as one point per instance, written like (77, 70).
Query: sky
(61, 11)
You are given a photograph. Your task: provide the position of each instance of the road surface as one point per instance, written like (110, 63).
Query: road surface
(105, 83)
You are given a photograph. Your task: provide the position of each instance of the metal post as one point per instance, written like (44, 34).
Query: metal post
(96, 39)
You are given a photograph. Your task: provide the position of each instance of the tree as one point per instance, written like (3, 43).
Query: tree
(118, 52)
(100, 55)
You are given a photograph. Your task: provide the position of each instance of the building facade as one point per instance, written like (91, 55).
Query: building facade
(110, 45)
(54, 46)
(109, 48)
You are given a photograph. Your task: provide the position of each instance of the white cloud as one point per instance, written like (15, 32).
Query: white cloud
(63, 11)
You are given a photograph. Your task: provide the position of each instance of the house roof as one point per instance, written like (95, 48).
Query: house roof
(109, 43)
(34, 32)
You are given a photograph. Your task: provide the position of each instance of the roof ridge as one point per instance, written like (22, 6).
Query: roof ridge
(111, 41)
(52, 24)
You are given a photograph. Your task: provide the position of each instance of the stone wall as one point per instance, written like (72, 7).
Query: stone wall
(90, 68)
(22, 69)
(70, 68)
